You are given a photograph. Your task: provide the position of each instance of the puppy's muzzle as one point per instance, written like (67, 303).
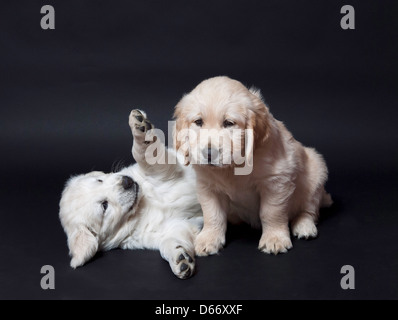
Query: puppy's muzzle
(211, 154)
(127, 182)
(131, 188)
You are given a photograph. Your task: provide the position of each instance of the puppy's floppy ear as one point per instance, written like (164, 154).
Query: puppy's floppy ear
(258, 123)
(83, 245)
(259, 118)
(181, 132)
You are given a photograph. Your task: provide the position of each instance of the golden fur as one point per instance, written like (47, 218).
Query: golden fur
(285, 183)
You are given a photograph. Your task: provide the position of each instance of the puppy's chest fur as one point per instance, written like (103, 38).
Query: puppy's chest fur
(242, 195)
(166, 200)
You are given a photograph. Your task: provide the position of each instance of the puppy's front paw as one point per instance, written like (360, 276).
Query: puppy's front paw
(275, 242)
(304, 228)
(183, 264)
(209, 242)
(139, 123)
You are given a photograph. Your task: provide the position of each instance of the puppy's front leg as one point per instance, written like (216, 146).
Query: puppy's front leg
(275, 224)
(149, 150)
(275, 195)
(212, 237)
(140, 126)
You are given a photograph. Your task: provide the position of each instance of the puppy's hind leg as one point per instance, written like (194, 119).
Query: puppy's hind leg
(303, 225)
(274, 216)
(275, 237)
(176, 246)
(312, 197)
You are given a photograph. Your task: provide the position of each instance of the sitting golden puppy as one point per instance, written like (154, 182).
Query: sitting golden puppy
(281, 181)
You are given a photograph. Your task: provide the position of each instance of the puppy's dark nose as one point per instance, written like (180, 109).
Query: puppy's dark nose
(127, 182)
(210, 154)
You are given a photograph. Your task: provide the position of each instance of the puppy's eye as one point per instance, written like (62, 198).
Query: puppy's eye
(228, 123)
(199, 122)
(104, 205)
(99, 180)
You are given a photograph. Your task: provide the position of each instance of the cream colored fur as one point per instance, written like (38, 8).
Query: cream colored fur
(286, 182)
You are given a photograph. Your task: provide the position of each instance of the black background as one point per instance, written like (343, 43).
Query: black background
(65, 97)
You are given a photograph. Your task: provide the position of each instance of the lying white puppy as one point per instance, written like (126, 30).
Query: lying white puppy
(142, 206)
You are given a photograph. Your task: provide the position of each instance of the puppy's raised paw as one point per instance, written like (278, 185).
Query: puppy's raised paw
(183, 265)
(140, 125)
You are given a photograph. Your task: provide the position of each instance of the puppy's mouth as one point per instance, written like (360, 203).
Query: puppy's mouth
(219, 166)
(214, 157)
(129, 193)
(216, 165)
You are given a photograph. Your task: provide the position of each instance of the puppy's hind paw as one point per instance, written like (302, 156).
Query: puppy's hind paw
(183, 265)
(304, 228)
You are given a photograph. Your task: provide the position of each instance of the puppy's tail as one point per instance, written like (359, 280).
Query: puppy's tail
(326, 200)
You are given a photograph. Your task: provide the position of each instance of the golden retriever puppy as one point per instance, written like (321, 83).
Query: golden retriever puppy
(141, 207)
(248, 167)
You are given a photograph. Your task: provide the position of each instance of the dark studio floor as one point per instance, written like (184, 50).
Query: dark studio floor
(65, 101)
